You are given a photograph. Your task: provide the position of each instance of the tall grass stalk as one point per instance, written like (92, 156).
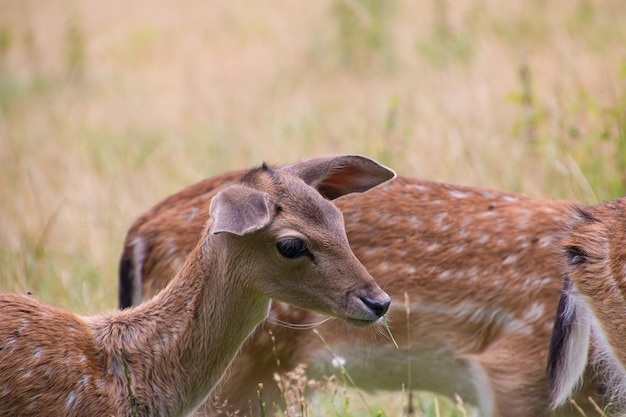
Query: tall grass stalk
(131, 396)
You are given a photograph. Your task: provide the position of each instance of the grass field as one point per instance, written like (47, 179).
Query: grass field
(107, 107)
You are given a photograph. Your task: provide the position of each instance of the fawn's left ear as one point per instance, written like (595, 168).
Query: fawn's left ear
(336, 176)
(239, 210)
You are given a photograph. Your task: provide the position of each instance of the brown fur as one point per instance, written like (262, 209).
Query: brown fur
(479, 267)
(172, 350)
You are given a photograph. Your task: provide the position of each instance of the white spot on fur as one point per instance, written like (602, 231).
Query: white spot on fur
(483, 238)
(545, 241)
(37, 352)
(415, 221)
(459, 248)
(410, 269)
(473, 272)
(509, 259)
(371, 252)
(540, 282)
(432, 247)
(440, 221)
(508, 197)
(192, 214)
(457, 194)
(517, 326)
(534, 313)
(70, 400)
(444, 274)
(10, 345)
(84, 382)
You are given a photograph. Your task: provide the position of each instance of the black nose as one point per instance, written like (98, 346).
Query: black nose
(379, 306)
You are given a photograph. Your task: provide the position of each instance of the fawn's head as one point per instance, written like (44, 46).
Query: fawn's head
(595, 246)
(290, 240)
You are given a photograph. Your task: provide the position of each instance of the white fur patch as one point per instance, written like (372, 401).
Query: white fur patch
(574, 353)
(70, 400)
(612, 368)
(457, 194)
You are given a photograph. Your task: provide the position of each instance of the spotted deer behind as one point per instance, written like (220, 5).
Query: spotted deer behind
(476, 268)
(591, 320)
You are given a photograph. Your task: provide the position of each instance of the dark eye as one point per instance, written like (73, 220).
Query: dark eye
(575, 255)
(292, 248)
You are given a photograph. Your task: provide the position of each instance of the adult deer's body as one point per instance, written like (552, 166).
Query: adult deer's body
(592, 310)
(270, 235)
(478, 267)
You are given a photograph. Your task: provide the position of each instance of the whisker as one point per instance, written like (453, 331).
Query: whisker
(296, 326)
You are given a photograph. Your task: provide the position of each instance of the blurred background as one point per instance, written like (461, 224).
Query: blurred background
(106, 107)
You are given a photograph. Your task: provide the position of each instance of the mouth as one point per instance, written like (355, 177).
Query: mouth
(362, 322)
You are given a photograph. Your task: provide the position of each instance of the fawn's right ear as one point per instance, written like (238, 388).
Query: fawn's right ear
(239, 210)
(336, 176)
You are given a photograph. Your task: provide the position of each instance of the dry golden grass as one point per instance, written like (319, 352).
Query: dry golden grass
(108, 106)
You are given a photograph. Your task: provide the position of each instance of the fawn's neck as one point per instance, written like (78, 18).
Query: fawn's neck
(187, 335)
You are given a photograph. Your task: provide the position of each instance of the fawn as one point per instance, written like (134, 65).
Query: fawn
(474, 281)
(270, 235)
(591, 319)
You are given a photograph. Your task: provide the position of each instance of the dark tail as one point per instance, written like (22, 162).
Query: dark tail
(560, 333)
(126, 280)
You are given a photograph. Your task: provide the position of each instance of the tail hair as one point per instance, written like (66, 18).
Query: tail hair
(126, 274)
(569, 347)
